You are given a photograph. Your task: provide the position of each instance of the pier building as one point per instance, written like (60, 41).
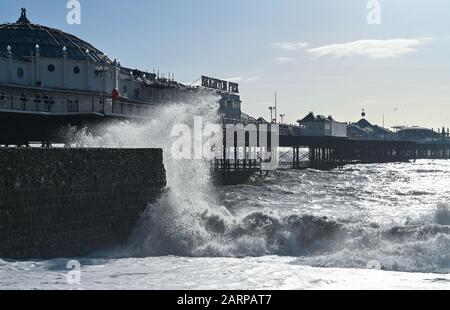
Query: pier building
(50, 79)
(319, 125)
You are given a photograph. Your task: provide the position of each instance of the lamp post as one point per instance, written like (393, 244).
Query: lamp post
(101, 70)
(272, 109)
(276, 106)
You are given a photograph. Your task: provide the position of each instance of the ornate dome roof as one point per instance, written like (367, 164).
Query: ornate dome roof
(23, 36)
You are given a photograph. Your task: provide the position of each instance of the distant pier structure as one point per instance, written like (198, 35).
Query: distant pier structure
(323, 143)
(330, 146)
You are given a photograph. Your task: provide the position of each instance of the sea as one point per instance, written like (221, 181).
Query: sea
(377, 226)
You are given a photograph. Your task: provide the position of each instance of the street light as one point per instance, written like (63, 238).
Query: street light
(100, 71)
(272, 109)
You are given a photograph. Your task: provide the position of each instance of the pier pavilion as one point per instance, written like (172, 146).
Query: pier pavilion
(50, 79)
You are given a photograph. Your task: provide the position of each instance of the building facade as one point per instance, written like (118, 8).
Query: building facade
(47, 75)
(312, 125)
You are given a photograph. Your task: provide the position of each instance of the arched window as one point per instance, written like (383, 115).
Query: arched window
(20, 73)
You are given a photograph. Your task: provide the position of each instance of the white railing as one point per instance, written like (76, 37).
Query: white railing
(47, 104)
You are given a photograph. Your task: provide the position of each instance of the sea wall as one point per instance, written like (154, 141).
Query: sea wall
(72, 202)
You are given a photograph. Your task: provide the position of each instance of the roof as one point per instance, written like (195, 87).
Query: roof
(369, 128)
(418, 133)
(355, 129)
(319, 118)
(23, 36)
(262, 120)
(136, 73)
(415, 129)
(381, 130)
(363, 123)
(308, 118)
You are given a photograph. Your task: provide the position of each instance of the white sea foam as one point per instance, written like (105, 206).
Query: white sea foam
(169, 272)
(373, 213)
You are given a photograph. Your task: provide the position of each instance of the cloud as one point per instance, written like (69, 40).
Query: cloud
(373, 49)
(252, 79)
(283, 60)
(238, 79)
(291, 46)
(234, 79)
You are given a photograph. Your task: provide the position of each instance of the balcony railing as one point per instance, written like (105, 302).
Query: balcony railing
(48, 105)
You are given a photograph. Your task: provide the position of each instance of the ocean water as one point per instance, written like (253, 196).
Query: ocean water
(365, 227)
(381, 226)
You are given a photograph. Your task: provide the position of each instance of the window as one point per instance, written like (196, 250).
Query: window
(51, 68)
(20, 73)
(76, 70)
(137, 92)
(125, 89)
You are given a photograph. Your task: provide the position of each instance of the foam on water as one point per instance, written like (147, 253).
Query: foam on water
(284, 215)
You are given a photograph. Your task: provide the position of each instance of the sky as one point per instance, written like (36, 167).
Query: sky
(319, 55)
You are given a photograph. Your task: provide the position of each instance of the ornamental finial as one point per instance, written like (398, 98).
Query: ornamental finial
(23, 19)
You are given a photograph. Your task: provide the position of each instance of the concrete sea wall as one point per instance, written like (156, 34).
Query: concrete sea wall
(72, 202)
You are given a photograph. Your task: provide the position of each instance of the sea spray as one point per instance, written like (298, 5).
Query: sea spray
(442, 216)
(175, 224)
(191, 220)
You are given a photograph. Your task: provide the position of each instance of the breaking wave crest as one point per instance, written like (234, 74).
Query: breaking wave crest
(316, 241)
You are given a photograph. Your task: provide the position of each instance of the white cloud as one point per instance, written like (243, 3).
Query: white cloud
(234, 79)
(291, 46)
(252, 79)
(283, 60)
(373, 49)
(238, 79)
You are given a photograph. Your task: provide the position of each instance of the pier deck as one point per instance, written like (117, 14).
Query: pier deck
(328, 152)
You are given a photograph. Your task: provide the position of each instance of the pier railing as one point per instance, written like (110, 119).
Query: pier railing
(237, 165)
(73, 105)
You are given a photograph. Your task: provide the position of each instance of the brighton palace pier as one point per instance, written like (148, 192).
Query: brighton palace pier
(50, 79)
